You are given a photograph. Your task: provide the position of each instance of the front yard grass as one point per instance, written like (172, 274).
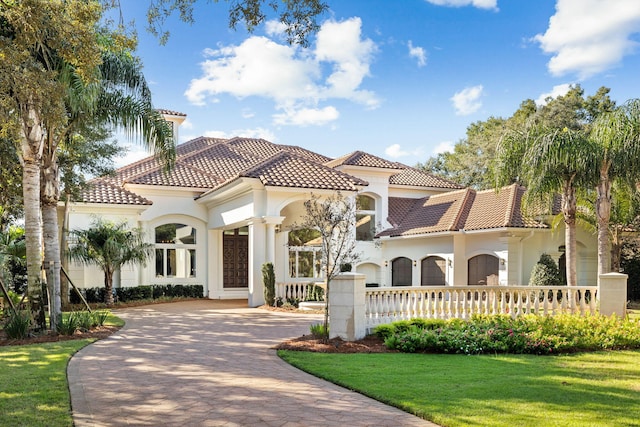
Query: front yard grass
(34, 390)
(582, 389)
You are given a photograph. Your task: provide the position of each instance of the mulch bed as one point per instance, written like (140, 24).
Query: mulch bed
(369, 344)
(97, 333)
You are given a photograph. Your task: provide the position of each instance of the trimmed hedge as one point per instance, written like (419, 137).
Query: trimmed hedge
(96, 295)
(527, 334)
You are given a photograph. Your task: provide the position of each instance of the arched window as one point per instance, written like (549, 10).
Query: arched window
(401, 272)
(175, 250)
(433, 271)
(483, 270)
(365, 217)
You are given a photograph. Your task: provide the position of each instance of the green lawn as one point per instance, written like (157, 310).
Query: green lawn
(586, 389)
(33, 382)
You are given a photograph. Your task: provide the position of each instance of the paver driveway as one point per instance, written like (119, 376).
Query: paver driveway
(210, 363)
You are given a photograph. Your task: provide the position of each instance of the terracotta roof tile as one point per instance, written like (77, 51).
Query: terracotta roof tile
(288, 170)
(427, 215)
(496, 210)
(415, 177)
(459, 210)
(182, 175)
(171, 112)
(221, 160)
(303, 152)
(102, 191)
(360, 158)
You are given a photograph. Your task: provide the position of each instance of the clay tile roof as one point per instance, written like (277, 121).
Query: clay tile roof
(496, 210)
(102, 191)
(171, 112)
(459, 210)
(432, 214)
(288, 170)
(303, 152)
(360, 158)
(415, 177)
(182, 175)
(221, 161)
(254, 146)
(140, 167)
(196, 144)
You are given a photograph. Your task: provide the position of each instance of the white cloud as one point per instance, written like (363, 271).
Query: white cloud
(418, 53)
(246, 133)
(274, 28)
(587, 37)
(395, 151)
(467, 100)
(558, 90)
(481, 4)
(444, 147)
(307, 116)
(294, 78)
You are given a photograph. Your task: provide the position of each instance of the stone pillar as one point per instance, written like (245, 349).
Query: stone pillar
(346, 307)
(612, 294)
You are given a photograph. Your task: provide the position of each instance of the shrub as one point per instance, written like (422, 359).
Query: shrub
(545, 272)
(318, 331)
(85, 320)
(96, 295)
(501, 334)
(269, 280)
(314, 293)
(17, 324)
(99, 317)
(68, 323)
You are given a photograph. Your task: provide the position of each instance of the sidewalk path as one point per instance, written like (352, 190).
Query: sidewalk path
(210, 363)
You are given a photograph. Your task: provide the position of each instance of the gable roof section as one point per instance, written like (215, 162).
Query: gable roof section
(102, 191)
(466, 210)
(182, 175)
(360, 158)
(417, 178)
(289, 170)
(432, 214)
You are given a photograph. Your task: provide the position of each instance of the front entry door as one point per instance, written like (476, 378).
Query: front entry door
(235, 254)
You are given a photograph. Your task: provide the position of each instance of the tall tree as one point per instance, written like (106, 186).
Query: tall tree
(35, 37)
(118, 97)
(548, 161)
(616, 147)
(470, 162)
(109, 246)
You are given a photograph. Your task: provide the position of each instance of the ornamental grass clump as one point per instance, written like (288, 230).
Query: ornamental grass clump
(528, 334)
(18, 324)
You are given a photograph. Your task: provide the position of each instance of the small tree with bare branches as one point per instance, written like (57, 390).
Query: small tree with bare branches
(334, 217)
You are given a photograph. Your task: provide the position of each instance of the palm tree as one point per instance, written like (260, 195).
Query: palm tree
(548, 161)
(109, 246)
(37, 37)
(616, 141)
(119, 97)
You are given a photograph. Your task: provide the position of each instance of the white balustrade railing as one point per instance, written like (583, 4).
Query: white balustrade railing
(387, 305)
(297, 291)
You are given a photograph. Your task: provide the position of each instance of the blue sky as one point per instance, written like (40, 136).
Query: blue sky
(398, 79)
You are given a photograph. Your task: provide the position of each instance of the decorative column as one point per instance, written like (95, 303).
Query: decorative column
(612, 294)
(256, 259)
(346, 307)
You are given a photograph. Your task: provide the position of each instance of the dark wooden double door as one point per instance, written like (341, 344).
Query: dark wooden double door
(235, 258)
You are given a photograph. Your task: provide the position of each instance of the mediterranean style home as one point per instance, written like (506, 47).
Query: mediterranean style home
(229, 206)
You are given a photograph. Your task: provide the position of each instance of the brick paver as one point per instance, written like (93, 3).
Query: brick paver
(210, 363)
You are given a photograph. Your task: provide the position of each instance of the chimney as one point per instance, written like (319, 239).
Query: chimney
(176, 119)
